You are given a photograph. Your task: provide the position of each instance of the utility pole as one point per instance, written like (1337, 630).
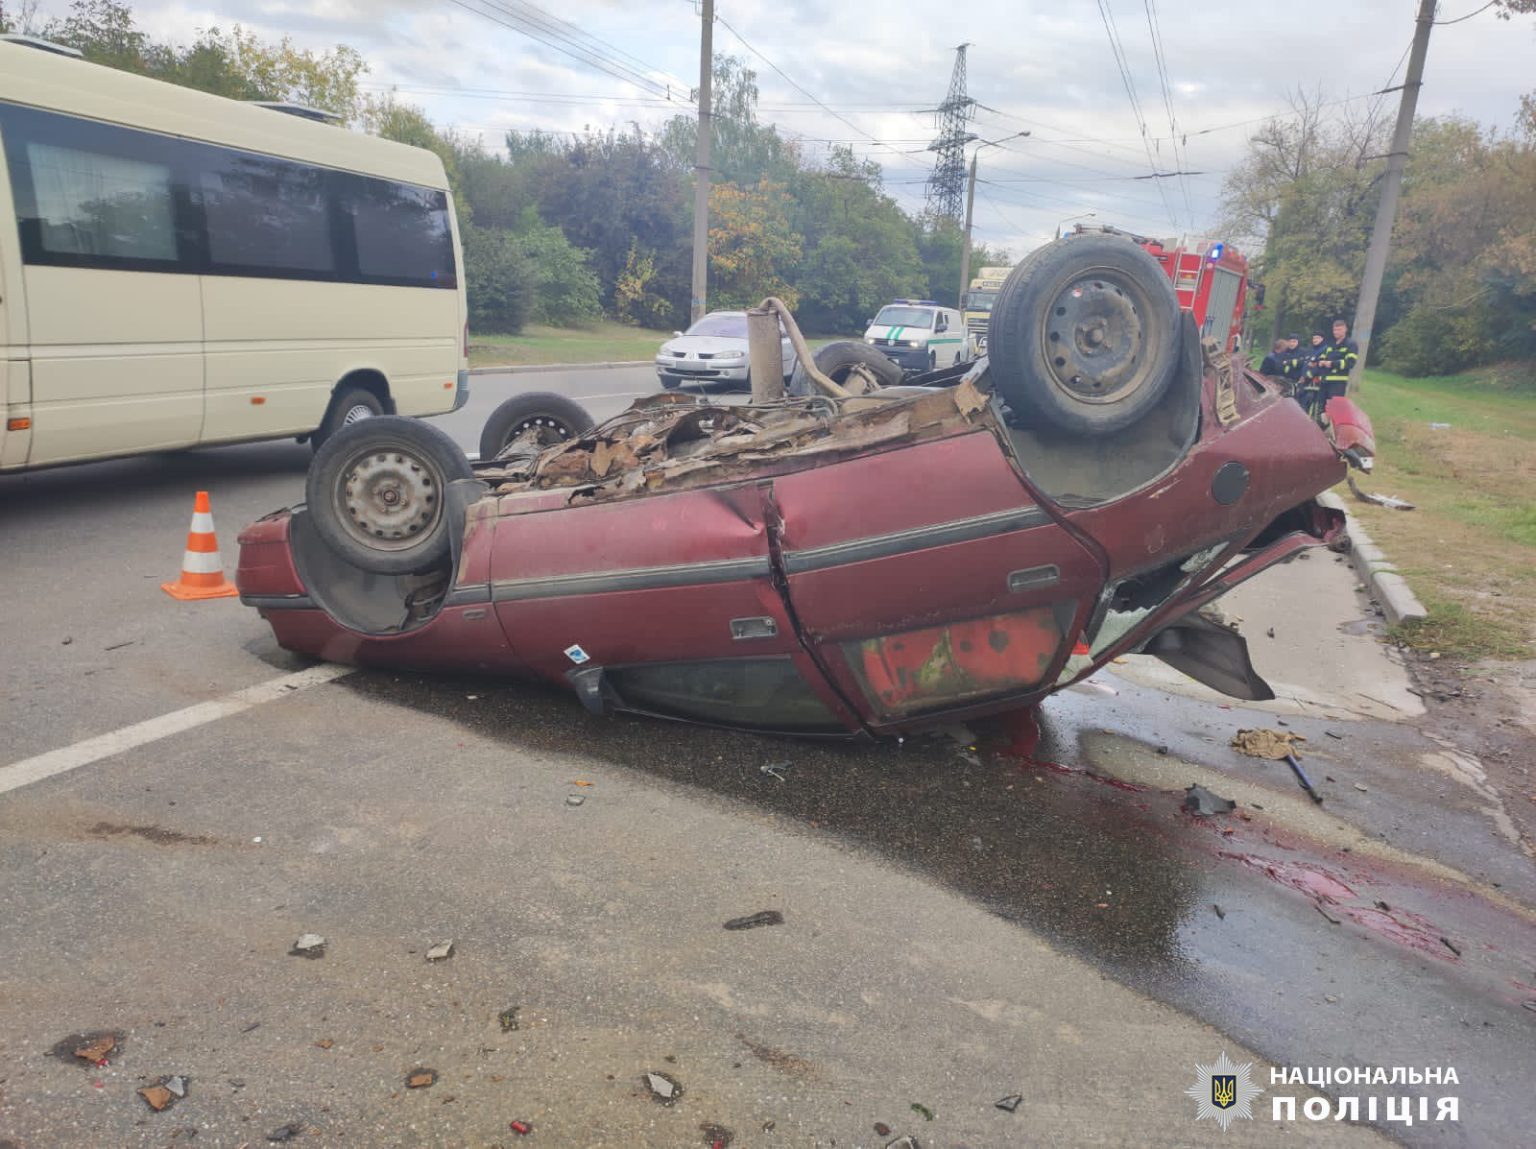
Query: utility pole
(701, 167)
(965, 244)
(970, 201)
(1386, 210)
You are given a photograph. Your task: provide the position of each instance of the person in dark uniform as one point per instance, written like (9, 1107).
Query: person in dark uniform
(1274, 363)
(1294, 361)
(1336, 361)
(1310, 381)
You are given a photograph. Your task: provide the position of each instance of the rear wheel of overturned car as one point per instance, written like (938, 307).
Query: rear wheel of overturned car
(376, 493)
(539, 419)
(1084, 335)
(838, 359)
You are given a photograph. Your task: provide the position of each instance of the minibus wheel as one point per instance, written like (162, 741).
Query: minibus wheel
(352, 405)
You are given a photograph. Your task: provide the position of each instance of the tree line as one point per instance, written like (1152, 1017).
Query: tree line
(1460, 289)
(566, 228)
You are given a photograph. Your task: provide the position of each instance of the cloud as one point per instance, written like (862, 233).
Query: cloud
(1047, 68)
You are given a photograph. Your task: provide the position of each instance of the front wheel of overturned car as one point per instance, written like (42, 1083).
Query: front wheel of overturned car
(376, 493)
(540, 419)
(1084, 335)
(838, 359)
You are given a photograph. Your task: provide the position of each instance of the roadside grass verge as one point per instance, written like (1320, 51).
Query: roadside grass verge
(604, 342)
(1469, 550)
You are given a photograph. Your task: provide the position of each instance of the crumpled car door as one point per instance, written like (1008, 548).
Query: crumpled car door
(665, 605)
(929, 578)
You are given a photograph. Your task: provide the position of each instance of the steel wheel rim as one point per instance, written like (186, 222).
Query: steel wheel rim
(389, 497)
(538, 430)
(1093, 337)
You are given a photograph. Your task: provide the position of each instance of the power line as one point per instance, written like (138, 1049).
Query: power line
(1154, 31)
(1106, 14)
(1469, 15)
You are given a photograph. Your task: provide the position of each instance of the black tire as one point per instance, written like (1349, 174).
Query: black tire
(1084, 335)
(837, 359)
(376, 493)
(543, 417)
(349, 406)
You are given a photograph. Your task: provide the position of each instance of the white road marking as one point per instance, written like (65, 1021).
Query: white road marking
(67, 758)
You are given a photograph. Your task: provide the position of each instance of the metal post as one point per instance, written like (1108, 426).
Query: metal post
(765, 355)
(1386, 210)
(701, 166)
(965, 247)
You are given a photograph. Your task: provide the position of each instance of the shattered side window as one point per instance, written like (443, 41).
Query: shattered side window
(762, 693)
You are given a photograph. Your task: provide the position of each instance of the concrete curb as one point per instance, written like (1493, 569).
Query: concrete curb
(1376, 571)
(524, 368)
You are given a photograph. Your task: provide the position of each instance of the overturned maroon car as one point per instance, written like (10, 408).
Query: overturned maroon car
(852, 559)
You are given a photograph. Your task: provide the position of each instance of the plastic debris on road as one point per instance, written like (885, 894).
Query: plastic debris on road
(663, 1088)
(521, 1128)
(774, 769)
(1010, 1103)
(422, 1077)
(1202, 803)
(308, 946)
(752, 921)
(441, 951)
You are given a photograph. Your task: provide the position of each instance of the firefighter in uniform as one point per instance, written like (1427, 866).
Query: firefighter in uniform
(1275, 362)
(1310, 379)
(1336, 360)
(1293, 360)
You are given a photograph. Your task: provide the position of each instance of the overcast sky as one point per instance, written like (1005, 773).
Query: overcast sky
(1045, 67)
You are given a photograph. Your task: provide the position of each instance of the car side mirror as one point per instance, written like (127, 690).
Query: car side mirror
(943, 326)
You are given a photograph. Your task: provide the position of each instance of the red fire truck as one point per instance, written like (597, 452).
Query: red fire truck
(1211, 281)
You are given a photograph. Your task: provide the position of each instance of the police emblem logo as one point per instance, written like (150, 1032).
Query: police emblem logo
(1225, 1091)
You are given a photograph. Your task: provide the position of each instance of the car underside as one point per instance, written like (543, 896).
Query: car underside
(826, 565)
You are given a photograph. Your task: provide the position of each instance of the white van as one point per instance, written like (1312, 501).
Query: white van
(919, 335)
(185, 269)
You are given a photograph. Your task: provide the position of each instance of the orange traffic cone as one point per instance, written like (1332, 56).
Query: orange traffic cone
(202, 571)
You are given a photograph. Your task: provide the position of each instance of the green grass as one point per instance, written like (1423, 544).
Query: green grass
(1469, 550)
(605, 342)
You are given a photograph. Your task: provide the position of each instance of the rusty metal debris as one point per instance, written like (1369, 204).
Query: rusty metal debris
(1266, 743)
(752, 921)
(675, 441)
(92, 1049)
(422, 1077)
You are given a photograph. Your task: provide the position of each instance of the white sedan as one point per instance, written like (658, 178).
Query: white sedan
(713, 350)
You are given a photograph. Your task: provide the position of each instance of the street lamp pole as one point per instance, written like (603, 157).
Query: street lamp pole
(970, 200)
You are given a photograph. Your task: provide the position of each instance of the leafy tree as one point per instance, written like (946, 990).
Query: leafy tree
(498, 281)
(742, 150)
(236, 63)
(751, 245)
(565, 291)
(635, 298)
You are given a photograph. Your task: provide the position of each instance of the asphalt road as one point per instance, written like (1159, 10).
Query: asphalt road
(1026, 918)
